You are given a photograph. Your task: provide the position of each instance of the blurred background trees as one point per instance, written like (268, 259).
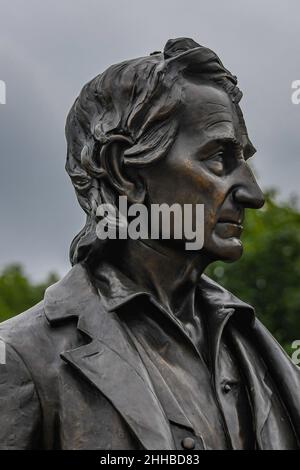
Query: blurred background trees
(18, 293)
(267, 276)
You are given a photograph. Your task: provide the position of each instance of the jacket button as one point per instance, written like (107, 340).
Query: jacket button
(188, 443)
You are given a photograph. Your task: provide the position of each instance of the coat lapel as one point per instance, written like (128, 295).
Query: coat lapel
(224, 307)
(109, 361)
(286, 377)
(260, 393)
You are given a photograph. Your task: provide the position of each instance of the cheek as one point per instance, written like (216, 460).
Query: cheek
(202, 185)
(206, 188)
(191, 185)
(187, 182)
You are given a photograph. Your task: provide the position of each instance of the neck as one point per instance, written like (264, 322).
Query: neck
(170, 274)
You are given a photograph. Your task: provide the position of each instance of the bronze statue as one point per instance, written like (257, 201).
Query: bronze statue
(135, 348)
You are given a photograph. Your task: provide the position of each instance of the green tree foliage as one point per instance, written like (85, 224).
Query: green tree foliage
(17, 293)
(268, 274)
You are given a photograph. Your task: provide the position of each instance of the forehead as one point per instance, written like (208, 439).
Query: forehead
(210, 114)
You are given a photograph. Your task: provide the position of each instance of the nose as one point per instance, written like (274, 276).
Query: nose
(248, 193)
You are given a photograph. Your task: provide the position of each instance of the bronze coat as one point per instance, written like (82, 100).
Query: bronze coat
(72, 380)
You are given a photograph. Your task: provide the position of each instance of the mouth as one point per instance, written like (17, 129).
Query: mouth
(229, 228)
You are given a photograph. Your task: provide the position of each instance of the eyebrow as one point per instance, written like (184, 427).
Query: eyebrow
(248, 149)
(217, 140)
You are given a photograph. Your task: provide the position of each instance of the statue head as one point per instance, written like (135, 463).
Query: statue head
(163, 128)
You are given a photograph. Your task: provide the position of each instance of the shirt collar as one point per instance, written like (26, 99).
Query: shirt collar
(116, 290)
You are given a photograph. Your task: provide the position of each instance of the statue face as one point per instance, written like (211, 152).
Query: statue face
(207, 165)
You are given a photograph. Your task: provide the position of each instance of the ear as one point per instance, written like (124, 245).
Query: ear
(124, 180)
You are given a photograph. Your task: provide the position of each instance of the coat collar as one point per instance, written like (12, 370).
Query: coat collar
(69, 296)
(116, 290)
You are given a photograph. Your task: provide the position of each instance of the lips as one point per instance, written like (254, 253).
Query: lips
(230, 220)
(228, 228)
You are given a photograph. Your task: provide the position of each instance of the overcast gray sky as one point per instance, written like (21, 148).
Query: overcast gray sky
(50, 48)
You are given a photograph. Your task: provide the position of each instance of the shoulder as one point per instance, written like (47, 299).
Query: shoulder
(33, 339)
(19, 402)
(23, 338)
(20, 329)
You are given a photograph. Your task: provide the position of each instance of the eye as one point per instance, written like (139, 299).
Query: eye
(216, 163)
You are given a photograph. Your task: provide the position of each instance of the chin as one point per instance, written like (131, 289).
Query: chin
(228, 250)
